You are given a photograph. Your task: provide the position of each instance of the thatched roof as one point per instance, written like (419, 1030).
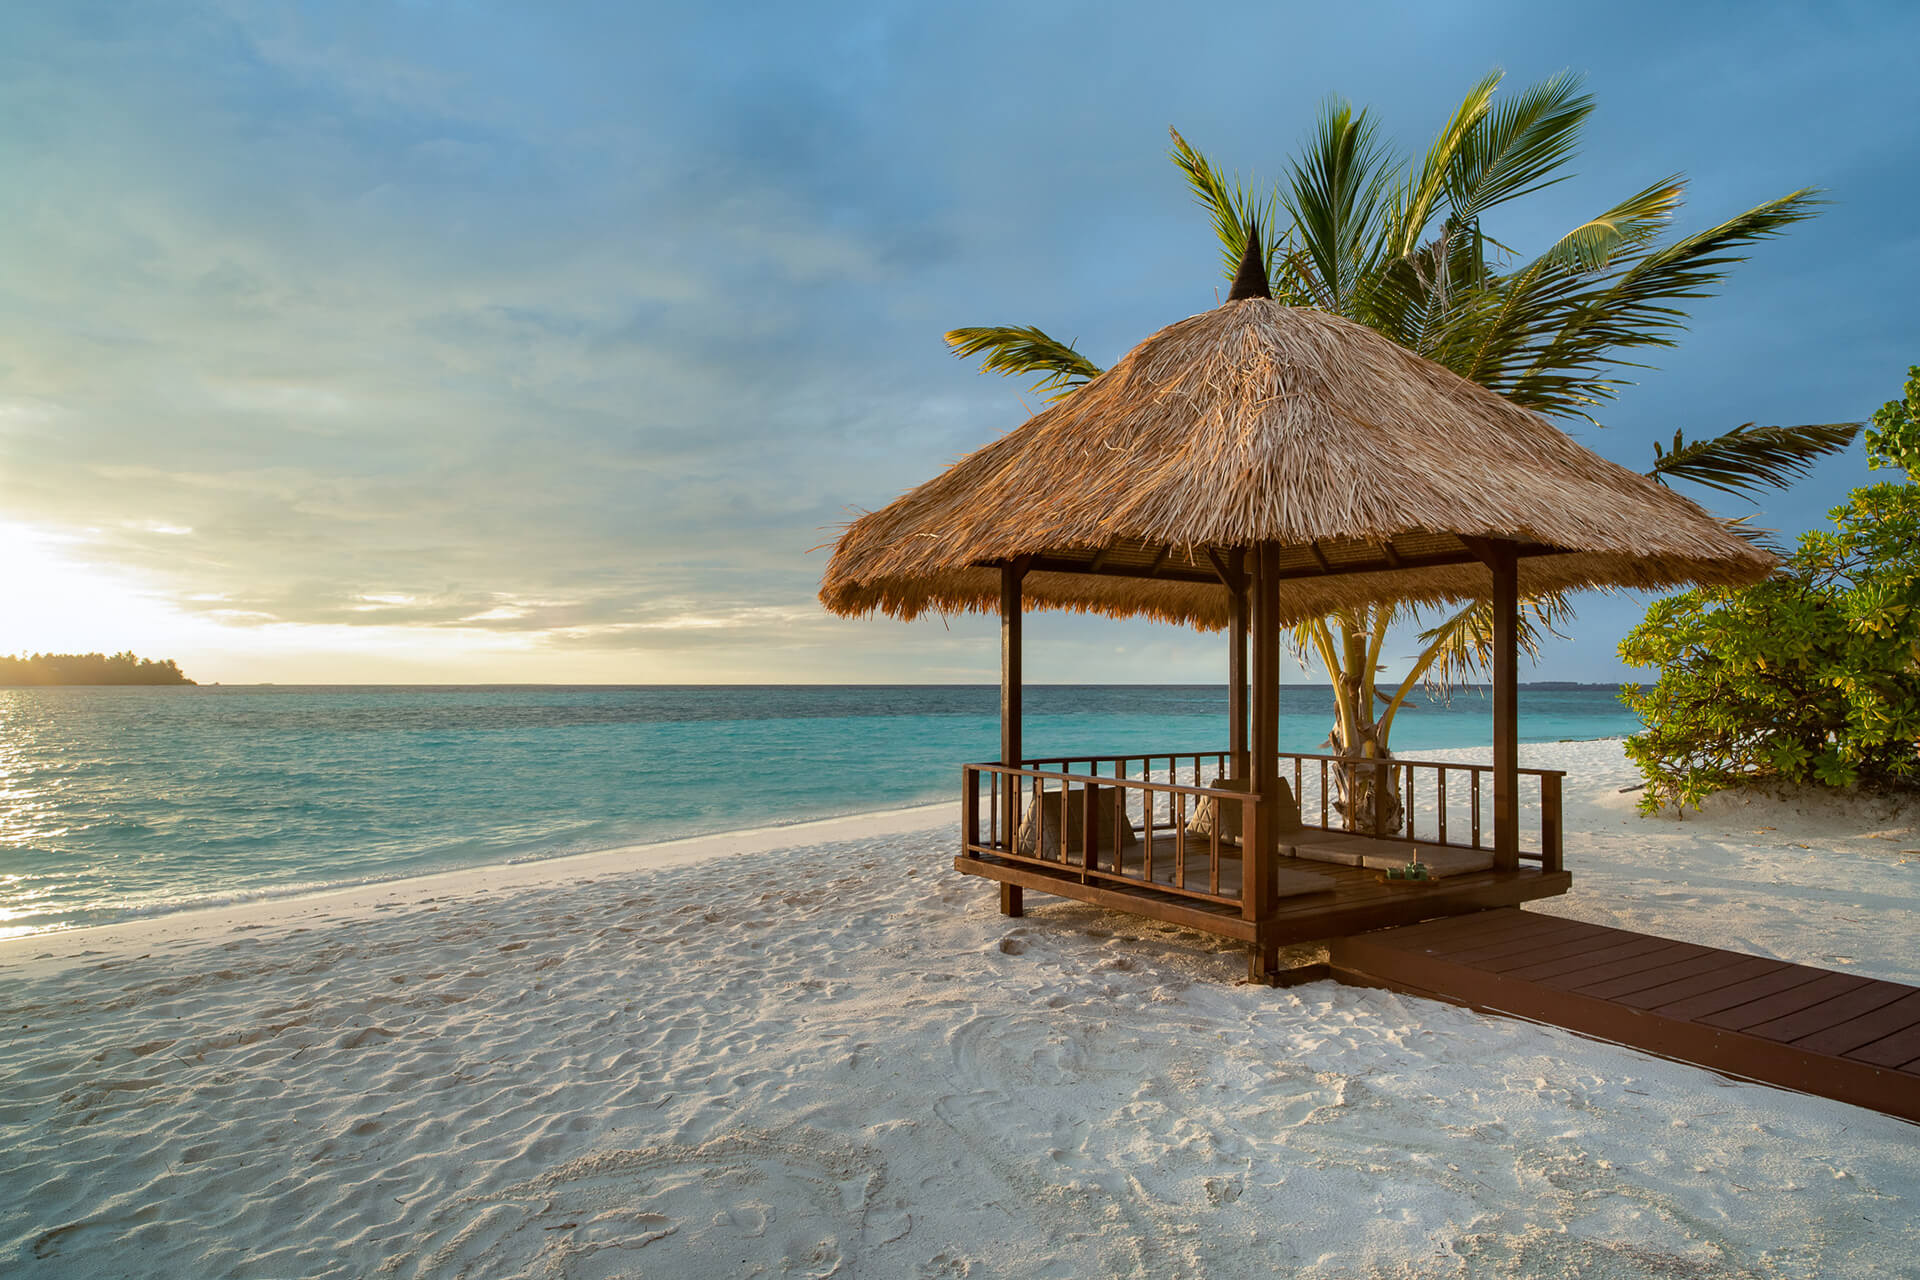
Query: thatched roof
(1373, 467)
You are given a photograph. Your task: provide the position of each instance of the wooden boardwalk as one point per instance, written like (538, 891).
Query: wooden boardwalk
(1837, 1035)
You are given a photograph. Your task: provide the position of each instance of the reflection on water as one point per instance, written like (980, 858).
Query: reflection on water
(127, 800)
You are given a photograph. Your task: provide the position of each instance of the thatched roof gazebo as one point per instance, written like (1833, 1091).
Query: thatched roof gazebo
(1245, 468)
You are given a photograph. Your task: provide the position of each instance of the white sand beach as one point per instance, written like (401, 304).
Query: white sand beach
(818, 1051)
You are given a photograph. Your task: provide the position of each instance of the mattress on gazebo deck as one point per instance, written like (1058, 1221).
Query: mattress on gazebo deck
(1349, 850)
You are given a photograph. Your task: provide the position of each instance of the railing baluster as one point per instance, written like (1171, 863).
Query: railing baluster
(1147, 856)
(1064, 828)
(1476, 806)
(1441, 806)
(1406, 787)
(1213, 848)
(1382, 786)
(1178, 804)
(1089, 824)
(993, 813)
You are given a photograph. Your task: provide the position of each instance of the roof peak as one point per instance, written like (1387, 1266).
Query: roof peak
(1251, 280)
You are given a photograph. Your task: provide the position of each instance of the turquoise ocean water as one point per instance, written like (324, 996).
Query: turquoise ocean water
(131, 801)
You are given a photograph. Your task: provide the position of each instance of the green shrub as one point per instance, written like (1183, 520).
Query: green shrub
(1812, 676)
(1893, 436)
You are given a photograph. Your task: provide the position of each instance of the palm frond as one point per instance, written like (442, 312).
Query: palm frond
(1749, 457)
(1514, 149)
(1461, 647)
(1631, 224)
(1554, 339)
(1486, 155)
(1017, 351)
(1231, 207)
(1741, 527)
(1637, 308)
(1338, 199)
(1416, 198)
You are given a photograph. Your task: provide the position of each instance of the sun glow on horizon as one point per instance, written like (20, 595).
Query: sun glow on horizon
(58, 602)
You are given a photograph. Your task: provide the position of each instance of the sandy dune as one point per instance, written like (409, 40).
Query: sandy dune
(822, 1053)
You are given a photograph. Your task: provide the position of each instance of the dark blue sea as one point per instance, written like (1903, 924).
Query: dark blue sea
(117, 802)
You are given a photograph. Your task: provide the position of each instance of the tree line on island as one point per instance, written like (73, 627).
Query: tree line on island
(88, 668)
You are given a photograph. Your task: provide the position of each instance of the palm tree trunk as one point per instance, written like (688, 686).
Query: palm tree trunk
(1357, 735)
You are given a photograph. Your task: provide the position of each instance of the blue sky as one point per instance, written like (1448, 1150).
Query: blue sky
(487, 342)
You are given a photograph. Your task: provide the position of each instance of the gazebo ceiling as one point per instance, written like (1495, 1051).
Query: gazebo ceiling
(1211, 565)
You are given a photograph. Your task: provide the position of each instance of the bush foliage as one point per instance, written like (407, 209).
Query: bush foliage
(1812, 676)
(1893, 436)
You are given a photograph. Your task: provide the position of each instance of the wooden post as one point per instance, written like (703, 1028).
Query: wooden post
(1012, 899)
(1506, 705)
(1260, 849)
(1237, 665)
(1550, 839)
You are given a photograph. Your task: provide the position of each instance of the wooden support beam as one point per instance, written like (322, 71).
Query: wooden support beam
(1160, 560)
(1229, 568)
(1391, 556)
(1320, 557)
(1257, 892)
(1233, 571)
(1060, 564)
(1506, 706)
(1011, 608)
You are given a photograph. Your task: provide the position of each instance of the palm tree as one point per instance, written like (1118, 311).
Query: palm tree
(1401, 245)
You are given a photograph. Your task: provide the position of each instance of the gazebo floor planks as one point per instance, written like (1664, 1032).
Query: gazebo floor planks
(1836, 1035)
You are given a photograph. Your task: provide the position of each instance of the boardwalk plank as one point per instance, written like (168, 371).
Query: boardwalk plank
(1518, 942)
(1830, 1013)
(1706, 966)
(1864, 1030)
(1676, 989)
(1784, 977)
(1767, 1008)
(1838, 1035)
(1581, 961)
(1901, 1049)
(1668, 953)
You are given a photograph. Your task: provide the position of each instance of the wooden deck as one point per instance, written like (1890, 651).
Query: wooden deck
(1319, 899)
(1836, 1035)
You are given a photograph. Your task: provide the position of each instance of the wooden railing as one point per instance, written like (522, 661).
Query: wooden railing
(1457, 798)
(1067, 821)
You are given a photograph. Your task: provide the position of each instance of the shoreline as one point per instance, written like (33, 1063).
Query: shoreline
(171, 930)
(257, 906)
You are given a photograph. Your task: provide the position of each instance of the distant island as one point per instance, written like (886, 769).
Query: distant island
(88, 668)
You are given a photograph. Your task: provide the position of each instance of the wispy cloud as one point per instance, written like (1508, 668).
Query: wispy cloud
(574, 327)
